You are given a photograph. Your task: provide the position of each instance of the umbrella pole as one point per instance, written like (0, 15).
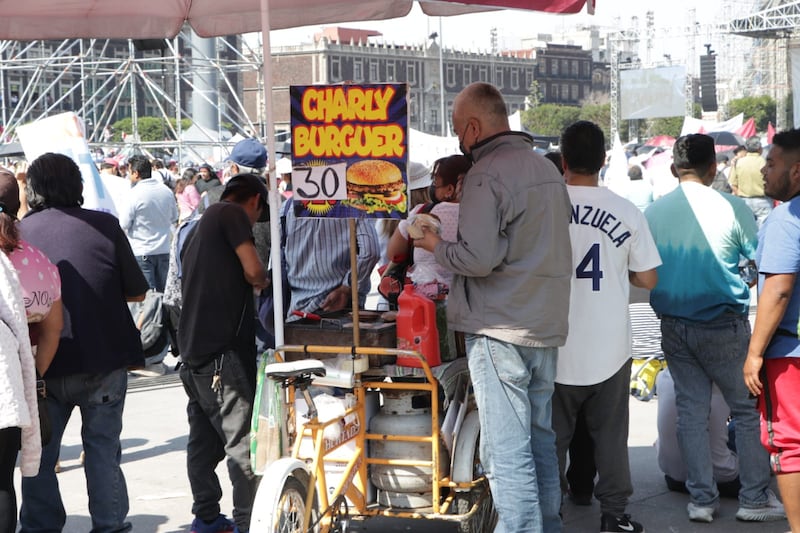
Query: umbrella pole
(354, 281)
(274, 217)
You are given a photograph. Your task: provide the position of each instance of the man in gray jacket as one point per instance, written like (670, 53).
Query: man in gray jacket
(510, 296)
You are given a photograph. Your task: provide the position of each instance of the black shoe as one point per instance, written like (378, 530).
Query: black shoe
(674, 485)
(619, 524)
(581, 499)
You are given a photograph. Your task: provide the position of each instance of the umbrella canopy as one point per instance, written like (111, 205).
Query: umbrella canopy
(661, 141)
(154, 19)
(726, 138)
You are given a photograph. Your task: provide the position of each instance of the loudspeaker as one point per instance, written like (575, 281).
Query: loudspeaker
(708, 82)
(149, 44)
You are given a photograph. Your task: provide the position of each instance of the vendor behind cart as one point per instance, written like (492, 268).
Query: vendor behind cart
(316, 252)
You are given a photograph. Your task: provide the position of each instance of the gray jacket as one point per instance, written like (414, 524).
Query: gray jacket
(513, 259)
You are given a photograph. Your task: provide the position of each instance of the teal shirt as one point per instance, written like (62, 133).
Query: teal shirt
(701, 234)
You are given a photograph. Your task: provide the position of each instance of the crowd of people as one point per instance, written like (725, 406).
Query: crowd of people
(530, 259)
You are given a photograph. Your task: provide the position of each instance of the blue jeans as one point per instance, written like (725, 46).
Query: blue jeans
(699, 353)
(154, 268)
(513, 391)
(100, 398)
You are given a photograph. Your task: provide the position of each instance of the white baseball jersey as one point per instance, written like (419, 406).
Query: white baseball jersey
(610, 237)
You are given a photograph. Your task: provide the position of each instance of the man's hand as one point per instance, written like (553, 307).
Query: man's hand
(337, 299)
(429, 240)
(752, 368)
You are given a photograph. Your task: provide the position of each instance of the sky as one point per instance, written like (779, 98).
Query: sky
(472, 32)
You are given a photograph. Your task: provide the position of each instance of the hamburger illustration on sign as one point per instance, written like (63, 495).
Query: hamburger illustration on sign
(376, 185)
(349, 150)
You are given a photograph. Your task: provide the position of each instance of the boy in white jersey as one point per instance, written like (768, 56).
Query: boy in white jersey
(611, 248)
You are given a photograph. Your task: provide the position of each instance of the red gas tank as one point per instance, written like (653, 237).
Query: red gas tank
(416, 328)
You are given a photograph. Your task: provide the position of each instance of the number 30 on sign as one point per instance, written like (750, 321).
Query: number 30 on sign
(320, 182)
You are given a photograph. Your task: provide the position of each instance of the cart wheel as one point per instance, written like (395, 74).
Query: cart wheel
(280, 501)
(291, 507)
(467, 467)
(449, 379)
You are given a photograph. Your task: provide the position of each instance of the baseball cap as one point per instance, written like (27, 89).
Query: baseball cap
(249, 153)
(250, 183)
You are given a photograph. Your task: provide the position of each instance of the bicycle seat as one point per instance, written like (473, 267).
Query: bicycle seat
(302, 370)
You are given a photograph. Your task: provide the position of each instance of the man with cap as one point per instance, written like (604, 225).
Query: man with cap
(248, 156)
(747, 182)
(220, 270)
(208, 178)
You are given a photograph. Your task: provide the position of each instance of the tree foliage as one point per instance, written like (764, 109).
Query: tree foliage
(549, 119)
(761, 108)
(151, 129)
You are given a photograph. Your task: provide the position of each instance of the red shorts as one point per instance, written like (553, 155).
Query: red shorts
(780, 414)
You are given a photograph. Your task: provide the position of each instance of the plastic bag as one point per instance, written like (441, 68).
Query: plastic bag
(266, 426)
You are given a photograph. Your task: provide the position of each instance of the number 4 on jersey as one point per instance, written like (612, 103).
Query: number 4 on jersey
(589, 267)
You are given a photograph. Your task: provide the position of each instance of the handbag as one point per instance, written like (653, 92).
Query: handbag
(45, 428)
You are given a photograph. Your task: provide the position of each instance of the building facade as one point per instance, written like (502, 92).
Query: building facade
(339, 57)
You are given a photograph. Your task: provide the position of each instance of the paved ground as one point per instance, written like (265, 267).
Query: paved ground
(154, 440)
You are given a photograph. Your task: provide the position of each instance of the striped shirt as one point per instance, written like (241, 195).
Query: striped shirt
(317, 256)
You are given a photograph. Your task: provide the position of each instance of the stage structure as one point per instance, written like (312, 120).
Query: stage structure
(103, 81)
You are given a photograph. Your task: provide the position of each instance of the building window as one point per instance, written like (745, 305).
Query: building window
(358, 70)
(564, 68)
(586, 69)
(574, 92)
(451, 75)
(411, 73)
(467, 75)
(390, 71)
(373, 71)
(564, 92)
(514, 79)
(498, 78)
(528, 77)
(336, 69)
(554, 67)
(483, 73)
(412, 109)
(575, 65)
(543, 93)
(554, 92)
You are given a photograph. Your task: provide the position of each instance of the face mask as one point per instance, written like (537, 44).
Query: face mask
(432, 194)
(463, 148)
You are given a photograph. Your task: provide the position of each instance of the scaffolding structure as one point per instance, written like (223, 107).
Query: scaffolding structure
(773, 30)
(103, 81)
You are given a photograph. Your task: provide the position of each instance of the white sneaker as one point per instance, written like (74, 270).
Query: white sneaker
(699, 513)
(770, 511)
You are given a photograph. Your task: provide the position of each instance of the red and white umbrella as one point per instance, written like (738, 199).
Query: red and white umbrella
(661, 141)
(155, 19)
